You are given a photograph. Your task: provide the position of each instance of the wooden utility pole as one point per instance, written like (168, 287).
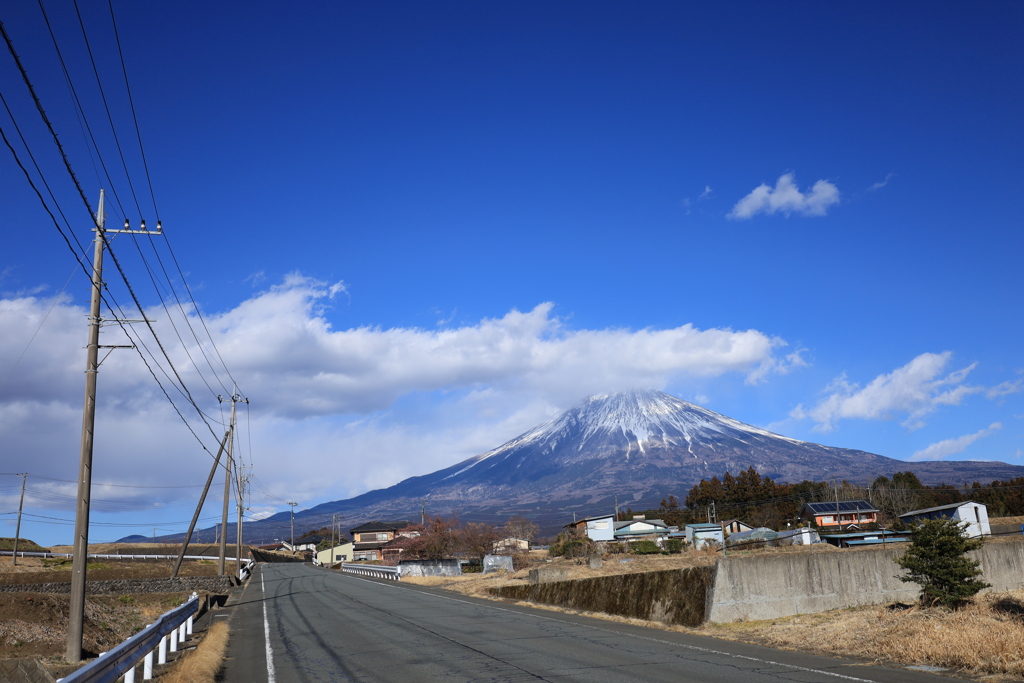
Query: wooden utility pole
(76, 610)
(17, 529)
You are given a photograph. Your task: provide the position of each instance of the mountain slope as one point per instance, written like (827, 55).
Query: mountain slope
(639, 446)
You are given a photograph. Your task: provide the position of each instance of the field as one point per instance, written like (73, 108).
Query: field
(35, 624)
(24, 544)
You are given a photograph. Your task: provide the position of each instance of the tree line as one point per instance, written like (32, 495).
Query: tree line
(760, 501)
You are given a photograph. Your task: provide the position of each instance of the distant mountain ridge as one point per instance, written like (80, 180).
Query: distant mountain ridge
(640, 446)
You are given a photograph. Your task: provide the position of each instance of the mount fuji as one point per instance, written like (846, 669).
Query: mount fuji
(640, 446)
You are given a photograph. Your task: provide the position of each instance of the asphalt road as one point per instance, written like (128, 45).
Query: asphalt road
(296, 623)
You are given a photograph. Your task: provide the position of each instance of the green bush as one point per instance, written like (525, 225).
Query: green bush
(645, 547)
(936, 562)
(673, 545)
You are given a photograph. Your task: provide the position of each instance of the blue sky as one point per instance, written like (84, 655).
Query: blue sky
(418, 230)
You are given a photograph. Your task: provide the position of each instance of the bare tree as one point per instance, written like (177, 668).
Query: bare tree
(520, 527)
(439, 539)
(478, 538)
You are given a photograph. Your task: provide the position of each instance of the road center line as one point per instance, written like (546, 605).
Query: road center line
(266, 633)
(631, 635)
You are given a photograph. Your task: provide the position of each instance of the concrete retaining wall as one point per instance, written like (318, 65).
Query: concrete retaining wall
(772, 586)
(213, 584)
(760, 587)
(677, 596)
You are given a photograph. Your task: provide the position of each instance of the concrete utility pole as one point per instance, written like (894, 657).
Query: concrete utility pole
(293, 524)
(17, 529)
(76, 610)
(242, 481)
(835, 487)
(235, 399)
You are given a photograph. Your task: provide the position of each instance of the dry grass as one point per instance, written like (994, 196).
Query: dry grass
(984, 638)
(1006, 520)
(59, 570)
(204, 663)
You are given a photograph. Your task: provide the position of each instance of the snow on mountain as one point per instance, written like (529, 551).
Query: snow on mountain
(637, 446)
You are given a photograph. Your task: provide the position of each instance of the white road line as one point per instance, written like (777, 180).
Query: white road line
(632, 635)
(266, 634)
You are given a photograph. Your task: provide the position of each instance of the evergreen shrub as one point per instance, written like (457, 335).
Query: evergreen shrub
(936, 561)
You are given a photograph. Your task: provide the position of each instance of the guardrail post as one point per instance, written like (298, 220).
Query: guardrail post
(129, 675)
(188, 626)
(147, 667)
(181, 633)
(162, 655)
(174, 640)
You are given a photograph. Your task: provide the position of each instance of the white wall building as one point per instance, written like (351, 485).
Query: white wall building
(973, 516)
(339, 553)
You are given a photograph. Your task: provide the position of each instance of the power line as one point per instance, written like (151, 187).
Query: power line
(131, 102)
(106, 107)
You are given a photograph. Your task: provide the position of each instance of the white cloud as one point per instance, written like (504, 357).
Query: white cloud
(1005, 388)
(948, 447)
(878, 186)
(361, 407)
(706, 194)
(914, 390)
(787, 198)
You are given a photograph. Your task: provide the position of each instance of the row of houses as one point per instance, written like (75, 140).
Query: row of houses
(607, 528)
(384, 540)
(850, 515)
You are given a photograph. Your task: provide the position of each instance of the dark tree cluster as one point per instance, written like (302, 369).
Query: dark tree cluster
(761, 501)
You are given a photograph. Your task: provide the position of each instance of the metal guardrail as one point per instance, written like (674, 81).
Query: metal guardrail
(376, 571)
(110, 556)
(168, 630)
(243, 573)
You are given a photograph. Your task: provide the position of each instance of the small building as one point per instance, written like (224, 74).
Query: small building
(701, 535)
(859, 539)
(642, 530)
(600, 528)
(973, 516)
(735, 526)
(511, 545)
(305, 543)
(339, 553)
(845, 513)
(369, 539)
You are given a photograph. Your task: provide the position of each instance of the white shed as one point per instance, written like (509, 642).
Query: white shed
(601, 528)
(974, 516)
(700, 535)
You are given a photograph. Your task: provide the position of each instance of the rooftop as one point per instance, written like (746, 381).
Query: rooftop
(841, 506)
(951, 506)
(379, 526)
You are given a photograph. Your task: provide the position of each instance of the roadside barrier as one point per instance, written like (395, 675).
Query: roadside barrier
(165, 633)
(244, 573)
(376, 571)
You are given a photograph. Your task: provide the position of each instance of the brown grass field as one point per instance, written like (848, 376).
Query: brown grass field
(55, 570)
